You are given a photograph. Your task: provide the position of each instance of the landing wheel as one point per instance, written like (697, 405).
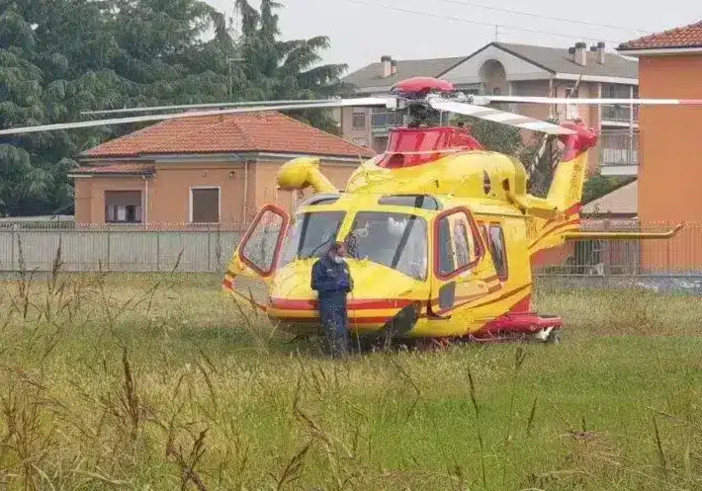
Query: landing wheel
(554, 337)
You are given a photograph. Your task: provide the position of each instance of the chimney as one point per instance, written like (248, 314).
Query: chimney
(385, 66)
(393, 67)
(579, 53)
(601, 53)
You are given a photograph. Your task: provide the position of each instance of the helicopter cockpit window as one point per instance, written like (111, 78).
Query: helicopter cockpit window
(321, 199)
(415, 201)
(311, 235)
(395, 240)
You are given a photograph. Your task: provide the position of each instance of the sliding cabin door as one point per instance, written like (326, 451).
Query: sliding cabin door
(458, 251)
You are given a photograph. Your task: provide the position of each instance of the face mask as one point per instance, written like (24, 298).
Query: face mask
(338, 259)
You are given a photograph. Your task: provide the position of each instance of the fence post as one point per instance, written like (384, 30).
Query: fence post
(667, 257)
(12, 248)
(209, 249)
(695, 231)
(107, 259)
(158, 250)
(607, 260)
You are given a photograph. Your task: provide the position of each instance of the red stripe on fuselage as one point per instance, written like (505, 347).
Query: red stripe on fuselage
(554, 229)
(362, 304)
(352, 320)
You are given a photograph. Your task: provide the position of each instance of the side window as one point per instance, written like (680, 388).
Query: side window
(458, 245)
(446, 260)
(499, 254)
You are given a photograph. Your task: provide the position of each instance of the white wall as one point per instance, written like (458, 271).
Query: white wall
(468, 72)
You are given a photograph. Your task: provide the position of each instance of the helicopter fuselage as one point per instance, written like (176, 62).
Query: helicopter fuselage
(439, 240)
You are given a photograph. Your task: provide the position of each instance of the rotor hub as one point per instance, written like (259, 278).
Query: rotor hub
(420, 87)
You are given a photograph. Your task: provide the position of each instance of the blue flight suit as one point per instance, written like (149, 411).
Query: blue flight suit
(333, 282)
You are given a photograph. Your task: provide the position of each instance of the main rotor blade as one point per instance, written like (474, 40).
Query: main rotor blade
(502, 117)
(368, 101)
(574, 100)
(202, 106)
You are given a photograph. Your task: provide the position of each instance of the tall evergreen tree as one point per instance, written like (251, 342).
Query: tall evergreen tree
(61, 57)
(278, 69)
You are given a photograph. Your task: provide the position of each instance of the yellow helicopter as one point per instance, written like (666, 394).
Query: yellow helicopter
(441, 232)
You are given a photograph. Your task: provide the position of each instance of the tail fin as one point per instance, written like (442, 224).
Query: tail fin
(566, 191)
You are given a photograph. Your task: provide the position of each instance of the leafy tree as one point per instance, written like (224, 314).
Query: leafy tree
(598, 186)
(59, 58)
(282, 70)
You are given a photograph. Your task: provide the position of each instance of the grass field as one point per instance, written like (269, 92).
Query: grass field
(160, 382)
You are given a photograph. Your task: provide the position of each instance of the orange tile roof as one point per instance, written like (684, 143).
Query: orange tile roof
(123, 168)
(682, 37)
(226, 133)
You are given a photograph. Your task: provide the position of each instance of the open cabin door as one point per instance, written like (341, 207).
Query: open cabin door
(457, 253)
(255, 259)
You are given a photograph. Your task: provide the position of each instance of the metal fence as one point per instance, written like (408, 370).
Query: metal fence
(190, 248)
(160, 247)
(619, 148)
(679, 255)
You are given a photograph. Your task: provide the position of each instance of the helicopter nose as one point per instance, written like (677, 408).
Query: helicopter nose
(380, 295)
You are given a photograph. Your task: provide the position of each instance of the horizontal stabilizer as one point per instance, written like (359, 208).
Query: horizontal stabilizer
(622, 235)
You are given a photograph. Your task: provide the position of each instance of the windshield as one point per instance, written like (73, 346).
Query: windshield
(395, 240)
(311, 235)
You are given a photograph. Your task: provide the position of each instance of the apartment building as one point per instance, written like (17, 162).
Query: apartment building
(517, 69)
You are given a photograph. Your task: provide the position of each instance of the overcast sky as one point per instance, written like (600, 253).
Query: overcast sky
(360, 32)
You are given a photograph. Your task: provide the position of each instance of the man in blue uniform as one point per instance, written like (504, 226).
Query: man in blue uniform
(332, 280)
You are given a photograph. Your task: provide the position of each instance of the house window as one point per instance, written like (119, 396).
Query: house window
(204, 205)
(123, 206)
(358, 121)
(497, 249)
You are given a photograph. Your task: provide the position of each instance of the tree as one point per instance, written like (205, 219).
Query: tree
(61, 57)
(598, 186)
(283, 70)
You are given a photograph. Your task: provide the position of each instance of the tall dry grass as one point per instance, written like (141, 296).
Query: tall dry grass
(161, 382)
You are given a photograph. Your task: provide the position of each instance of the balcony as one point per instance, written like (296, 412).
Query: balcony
(382, 121)
(619, 153)
(619, 115)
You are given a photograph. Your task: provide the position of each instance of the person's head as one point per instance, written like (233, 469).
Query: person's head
(337, 251)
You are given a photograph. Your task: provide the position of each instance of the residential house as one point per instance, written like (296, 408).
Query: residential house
(670, 66)
(518, 69)
(213, 170)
